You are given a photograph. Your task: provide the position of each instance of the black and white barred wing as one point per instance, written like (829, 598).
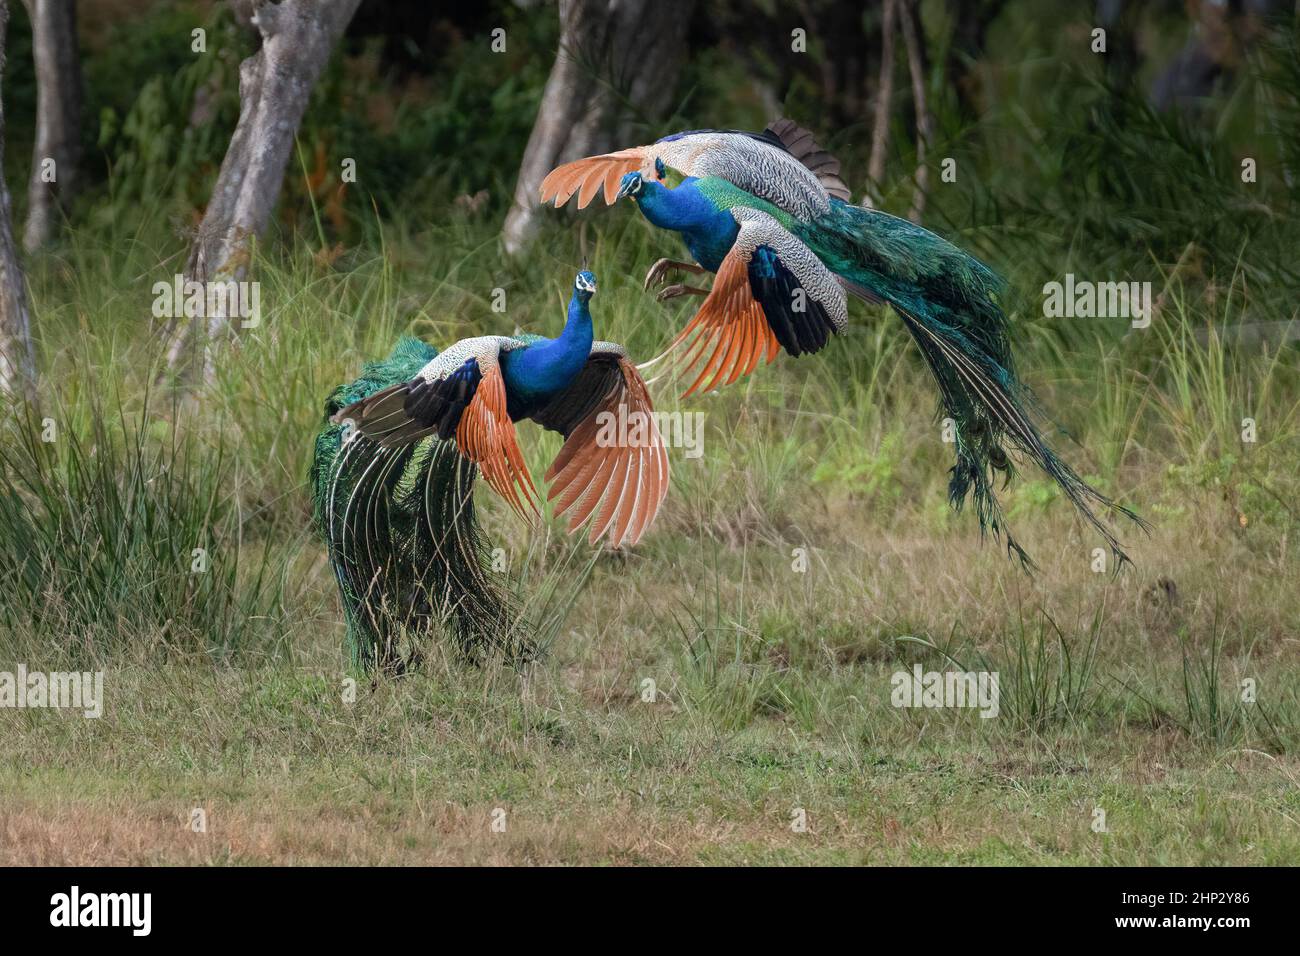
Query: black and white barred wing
(461, 394)
(783, 165)
(771, 292)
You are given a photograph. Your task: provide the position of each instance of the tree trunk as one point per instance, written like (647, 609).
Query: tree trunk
(914, 41)
(614, 56)
(972, 19)
(884, 93)
(275, 84)
(58, 117)
(17, 355)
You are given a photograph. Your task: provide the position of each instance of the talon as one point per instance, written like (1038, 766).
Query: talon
(673, 291)
(660, 271)
(657, 273)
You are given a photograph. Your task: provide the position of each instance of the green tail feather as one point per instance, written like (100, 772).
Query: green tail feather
(402, 534)
(949, 303)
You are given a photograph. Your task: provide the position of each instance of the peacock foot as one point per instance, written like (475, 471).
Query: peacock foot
(673, 291)
(660, 271)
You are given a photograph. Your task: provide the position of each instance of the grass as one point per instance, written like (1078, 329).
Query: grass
(771, 684)
(589, 773)
(736, 666)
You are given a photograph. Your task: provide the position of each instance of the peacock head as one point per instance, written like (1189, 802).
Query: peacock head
(584, 286)
(631, 184)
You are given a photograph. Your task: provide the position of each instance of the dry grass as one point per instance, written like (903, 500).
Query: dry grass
(779, 712)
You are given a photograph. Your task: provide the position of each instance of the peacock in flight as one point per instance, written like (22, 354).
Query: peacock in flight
(395, 461)
(769, 215)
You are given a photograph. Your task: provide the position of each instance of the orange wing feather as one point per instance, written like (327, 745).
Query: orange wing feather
(486, 436)
(729, 328)
(622, 481)
(587, 176)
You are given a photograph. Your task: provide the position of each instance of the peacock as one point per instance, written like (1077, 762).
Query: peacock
(768, 215)
(398, 451)
(783, 164)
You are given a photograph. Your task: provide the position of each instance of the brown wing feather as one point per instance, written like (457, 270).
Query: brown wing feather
(612, 500)
(621, 478)
(589, 174)
(486, 436)
(730, 328)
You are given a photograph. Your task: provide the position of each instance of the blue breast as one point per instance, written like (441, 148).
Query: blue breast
(709, 232)
(539, 371)
(542, 369)
(710, 244)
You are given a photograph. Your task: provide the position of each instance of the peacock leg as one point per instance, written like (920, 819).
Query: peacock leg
(673, 291)
(659, 271)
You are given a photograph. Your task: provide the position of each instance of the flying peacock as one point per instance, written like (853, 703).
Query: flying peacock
(397, 455)
(768, 214)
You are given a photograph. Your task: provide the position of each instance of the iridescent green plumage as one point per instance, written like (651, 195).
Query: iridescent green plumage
(402, 535)
(949, 302)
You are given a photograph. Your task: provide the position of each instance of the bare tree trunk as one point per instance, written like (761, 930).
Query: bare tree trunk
(971, 20)
(614, 57)
(58, 117)
(17, 354)
(275, 84)
(884, 93)
(913, 40)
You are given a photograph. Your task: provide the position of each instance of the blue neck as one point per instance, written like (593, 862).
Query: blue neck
(548, 366)
(678, 209)
(707, 230)
(577, 325)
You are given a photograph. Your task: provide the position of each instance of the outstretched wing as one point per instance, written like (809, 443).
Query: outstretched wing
(783, 165)
(770, 291)
(585, 176)
(460, 393)
(613, 463)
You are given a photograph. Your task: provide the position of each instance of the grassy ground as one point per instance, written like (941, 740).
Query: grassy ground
(1120, 695)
